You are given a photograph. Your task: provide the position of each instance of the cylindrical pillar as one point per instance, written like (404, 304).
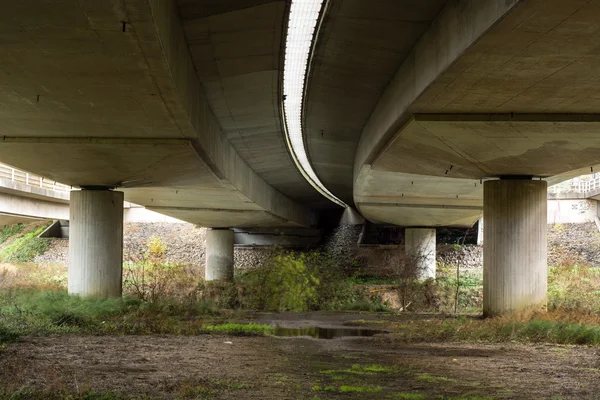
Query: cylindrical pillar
(419, 245)
(219, 255)
(96, 243)
(480, 232)
(514, 253)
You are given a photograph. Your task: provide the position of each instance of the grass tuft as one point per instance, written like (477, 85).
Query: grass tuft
(240, 329)
(360, 389)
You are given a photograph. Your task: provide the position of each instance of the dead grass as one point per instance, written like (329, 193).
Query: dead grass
(558, 326)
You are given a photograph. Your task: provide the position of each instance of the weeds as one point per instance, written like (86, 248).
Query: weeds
(10, 230)
(303, 282)
(7, 335)
(29, 311)
(358, 369)
(153, 279)
(360, 389)
(552, 327)
(240, 329)
(25, 247)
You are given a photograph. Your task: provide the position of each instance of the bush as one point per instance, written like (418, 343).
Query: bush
(284, 284)
(293, 281)
(154, 279)
(574, 288)
(7, 335)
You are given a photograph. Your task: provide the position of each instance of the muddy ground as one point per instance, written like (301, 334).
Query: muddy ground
(226, 367)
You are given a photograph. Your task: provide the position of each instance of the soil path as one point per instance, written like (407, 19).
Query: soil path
(221, 367)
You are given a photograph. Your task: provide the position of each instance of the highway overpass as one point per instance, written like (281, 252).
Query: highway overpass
(261, 113)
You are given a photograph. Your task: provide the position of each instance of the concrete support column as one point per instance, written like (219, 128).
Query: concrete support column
(419, 245)
(96, 243)
(480, 232)
(219, 255)
(514, 253)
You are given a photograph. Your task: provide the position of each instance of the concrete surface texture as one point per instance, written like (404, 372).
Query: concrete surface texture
(219, 255)
(420, 246)
(107, 94)
(469, 104)
(96, 243)
(19, 206)
(515, 272)
(409, 105)
(572, 211)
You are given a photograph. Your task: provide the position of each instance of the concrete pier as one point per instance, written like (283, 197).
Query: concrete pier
(419, 245)
(219, 255)
(96, 243)
(514, 254)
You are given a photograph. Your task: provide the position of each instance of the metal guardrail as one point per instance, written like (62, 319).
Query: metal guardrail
(576, 186)
(26, 178)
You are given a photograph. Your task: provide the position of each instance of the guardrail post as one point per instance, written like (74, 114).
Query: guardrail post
(12, 174)
(27, 178)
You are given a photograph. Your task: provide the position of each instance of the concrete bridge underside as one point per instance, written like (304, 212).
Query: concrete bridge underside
(450, 97)
(127, 94)
(420, 113)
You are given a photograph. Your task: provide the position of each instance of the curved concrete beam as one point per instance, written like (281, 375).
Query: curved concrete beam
(196, 121)
(456, 28)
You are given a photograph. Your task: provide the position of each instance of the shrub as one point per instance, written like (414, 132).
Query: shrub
(154, 279)
(574, 288)
(7, 335)
(284, 284)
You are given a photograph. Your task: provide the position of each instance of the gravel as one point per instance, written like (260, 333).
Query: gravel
(185, 244)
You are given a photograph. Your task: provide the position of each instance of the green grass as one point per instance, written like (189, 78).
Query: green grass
(29, 308)
(347, 389)
(8, 335)
(360, 389)
(542, 328)
(25, 247)
(29, 311)
(240, 329)
(10, 230)
(358, 369)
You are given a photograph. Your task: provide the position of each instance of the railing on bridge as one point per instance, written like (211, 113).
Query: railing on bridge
(576, 185)
(19, 176)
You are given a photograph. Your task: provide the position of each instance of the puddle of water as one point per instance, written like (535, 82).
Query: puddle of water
(325, 333)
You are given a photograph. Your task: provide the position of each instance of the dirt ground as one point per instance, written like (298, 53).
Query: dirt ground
(226, 367)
